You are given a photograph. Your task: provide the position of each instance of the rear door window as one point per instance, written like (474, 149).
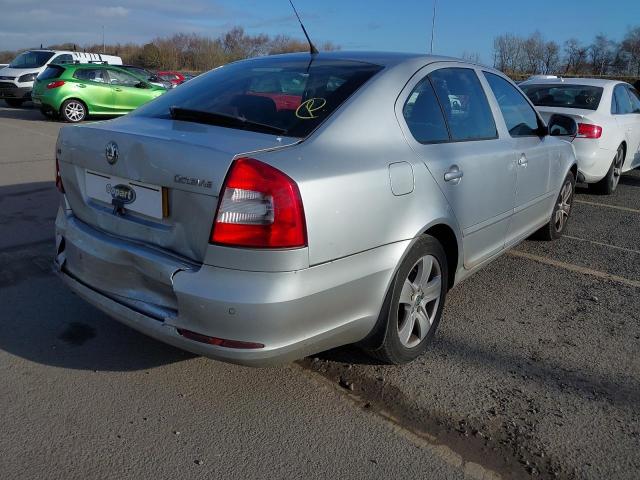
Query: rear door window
(91, 75)
(519, 116)
(464, 103)
(424, 116)
(635, 99)
(118, 77)
(293, 95)
(62, 59)
(621, 100)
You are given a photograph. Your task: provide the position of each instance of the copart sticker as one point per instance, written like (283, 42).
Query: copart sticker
(307, 109)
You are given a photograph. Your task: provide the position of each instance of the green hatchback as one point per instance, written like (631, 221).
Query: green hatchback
(75, 91)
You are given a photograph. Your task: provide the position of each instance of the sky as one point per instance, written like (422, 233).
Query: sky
(401, 25)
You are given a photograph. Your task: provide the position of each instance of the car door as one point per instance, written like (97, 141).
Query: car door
(94, 89)
(451, 126)
(633, 152)
(534, 198)
(127, 96)
(627, 121)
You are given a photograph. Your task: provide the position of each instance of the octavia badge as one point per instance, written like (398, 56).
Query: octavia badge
(111, 152)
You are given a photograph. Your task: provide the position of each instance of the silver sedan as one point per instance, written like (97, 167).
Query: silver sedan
(281, 206)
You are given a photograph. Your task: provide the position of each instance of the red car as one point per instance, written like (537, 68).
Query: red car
(170, 76)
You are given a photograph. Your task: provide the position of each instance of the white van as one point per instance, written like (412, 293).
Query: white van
(16, 79)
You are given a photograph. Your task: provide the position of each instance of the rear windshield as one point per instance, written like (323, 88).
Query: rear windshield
(566, 96)
(294, 95)
(31, 59)
(52, 71)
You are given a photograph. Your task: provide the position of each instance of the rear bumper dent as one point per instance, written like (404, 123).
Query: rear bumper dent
(293, 314)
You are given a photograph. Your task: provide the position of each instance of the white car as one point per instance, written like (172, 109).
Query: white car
(16, 79)
(608, 117)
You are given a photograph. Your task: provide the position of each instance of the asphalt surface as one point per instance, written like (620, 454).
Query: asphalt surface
(534, 372)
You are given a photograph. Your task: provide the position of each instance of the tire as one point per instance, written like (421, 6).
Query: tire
(557, 224)
(73, 111)
(12, 102)
(413, 305)
(609, 183)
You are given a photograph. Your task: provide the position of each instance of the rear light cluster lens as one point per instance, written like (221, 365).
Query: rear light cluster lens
(587, 130)
(260, 207)
(221, 342)
(59, 184)
(56, 84)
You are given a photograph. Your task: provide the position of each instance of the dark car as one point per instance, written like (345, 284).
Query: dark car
(151, 77)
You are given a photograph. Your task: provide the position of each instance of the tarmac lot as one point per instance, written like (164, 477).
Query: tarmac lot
(535, 370)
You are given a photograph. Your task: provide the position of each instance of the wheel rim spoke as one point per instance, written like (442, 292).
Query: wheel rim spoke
(423, 321)
(432, 289)
(408, 290)
(407, 328)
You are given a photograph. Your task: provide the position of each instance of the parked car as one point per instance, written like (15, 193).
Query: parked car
(608, 116)
(75, 91)
(148, 76)
(16, 80)
(174, 77)
(217, 222)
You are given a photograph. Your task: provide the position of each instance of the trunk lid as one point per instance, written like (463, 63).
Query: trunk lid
(186, 162)
(579, 115)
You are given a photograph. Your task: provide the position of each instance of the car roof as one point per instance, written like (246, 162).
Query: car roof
(385, 59)
(591, 82)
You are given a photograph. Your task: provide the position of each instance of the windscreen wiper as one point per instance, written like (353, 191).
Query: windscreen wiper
(222, 119)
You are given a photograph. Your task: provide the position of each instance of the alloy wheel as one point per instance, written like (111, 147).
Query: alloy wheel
(419, 301)
(617, 169)
(563, 207)
(74, 111)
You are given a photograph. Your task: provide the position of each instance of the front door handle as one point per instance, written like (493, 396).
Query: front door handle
(454, 174)
(522, 161)
(118, 89)
(81, 86)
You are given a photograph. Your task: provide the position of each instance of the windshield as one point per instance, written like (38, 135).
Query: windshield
(31, 59)
(566, 96)
(287, 94)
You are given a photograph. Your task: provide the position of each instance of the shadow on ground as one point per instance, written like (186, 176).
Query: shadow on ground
(41, 320)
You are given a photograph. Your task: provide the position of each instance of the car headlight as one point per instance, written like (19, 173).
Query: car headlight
(29, 77)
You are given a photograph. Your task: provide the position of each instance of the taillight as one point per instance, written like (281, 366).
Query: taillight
(59, 184)
(56, 84)
(587, 130)
(259, 207)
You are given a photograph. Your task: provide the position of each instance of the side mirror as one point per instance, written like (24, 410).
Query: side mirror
(562, 126)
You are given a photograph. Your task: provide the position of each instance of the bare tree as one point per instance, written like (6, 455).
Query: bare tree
(630, 48)
(601, 53)
(550, 57)
(575, 56)
(473, 57)
(532, 53)
(507, 52)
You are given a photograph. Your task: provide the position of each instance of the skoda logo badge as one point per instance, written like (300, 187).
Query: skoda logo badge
(111, 152)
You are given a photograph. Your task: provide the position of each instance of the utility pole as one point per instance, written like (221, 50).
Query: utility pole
(433, 24)
(103, 45)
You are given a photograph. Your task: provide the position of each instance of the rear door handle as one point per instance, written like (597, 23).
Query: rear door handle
(118, 89)
(82, 86)
(454, 174)
(522, 161)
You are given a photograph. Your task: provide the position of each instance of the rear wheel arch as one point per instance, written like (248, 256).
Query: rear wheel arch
(447, 238)
(79, 100)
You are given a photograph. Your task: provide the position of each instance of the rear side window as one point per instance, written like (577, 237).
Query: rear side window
(423, 115)
(584, 97)
(621, 103)
(293, 95)
(464, 103)
(91, 75)
(518, 114)
(52, 71)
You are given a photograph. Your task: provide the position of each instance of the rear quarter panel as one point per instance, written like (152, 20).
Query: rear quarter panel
(343, 174)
